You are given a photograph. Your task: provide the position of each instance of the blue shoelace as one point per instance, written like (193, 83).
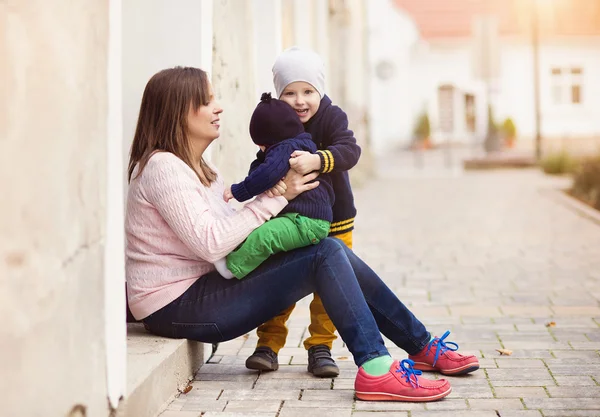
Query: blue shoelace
(407, 370)
(441, 346)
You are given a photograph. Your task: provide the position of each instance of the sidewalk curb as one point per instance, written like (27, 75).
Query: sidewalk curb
(582, 209)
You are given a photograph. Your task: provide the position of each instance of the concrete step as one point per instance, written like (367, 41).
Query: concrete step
(157, 368)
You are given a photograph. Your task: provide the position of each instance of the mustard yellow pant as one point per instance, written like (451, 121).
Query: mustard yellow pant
(274, 332)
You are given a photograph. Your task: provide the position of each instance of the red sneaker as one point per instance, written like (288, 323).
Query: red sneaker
(442, 357)
(399, 384)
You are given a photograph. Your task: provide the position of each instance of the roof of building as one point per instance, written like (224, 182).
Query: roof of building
(439, 19)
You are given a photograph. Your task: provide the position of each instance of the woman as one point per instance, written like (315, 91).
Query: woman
(178, 225)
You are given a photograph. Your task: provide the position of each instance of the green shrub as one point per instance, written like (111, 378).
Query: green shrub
(492, 141)
(558, 163)
(586, 182)
(422, 128)
(508, 128)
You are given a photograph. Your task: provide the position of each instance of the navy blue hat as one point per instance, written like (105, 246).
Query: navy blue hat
(273, 121)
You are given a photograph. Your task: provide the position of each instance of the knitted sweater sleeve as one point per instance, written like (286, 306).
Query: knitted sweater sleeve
(343, 152)
(266, 175)
(169, 185)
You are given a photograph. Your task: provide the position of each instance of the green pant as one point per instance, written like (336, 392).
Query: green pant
(283, 233)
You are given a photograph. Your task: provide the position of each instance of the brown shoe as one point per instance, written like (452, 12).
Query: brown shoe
(263, 359)
(320, 362)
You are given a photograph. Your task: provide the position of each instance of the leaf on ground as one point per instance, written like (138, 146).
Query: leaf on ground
(551, 324)
(506, 352)
(342, 358)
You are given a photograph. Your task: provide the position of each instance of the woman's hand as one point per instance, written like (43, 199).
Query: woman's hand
(297, 183)
(277, 190)
(304, 162)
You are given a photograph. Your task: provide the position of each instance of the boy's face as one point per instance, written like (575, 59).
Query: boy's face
(303, 98)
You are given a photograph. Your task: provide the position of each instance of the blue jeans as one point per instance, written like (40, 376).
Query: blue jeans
(358, 302)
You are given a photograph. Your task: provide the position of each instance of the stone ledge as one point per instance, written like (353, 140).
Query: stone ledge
(499, 160)
(574, 204)
(156, 369)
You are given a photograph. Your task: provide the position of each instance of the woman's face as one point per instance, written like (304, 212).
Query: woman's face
(203, 124)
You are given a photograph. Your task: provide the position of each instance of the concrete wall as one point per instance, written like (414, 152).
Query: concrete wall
(234, 86)
(349, 74)
(160, 34)
(393, 103)
(53, 112)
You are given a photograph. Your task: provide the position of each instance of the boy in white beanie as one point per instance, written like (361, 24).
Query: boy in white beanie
(298, 76)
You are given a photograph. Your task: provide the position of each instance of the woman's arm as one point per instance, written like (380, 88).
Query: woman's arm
(171, 187)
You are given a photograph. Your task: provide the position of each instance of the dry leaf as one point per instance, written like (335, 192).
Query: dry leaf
(550, 324)
(187, 389)
(504, 352)
(342, 358)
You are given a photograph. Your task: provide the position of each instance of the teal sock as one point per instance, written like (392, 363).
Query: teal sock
(378, 366)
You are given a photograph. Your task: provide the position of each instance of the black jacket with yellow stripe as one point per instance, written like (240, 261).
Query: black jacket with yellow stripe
(339, 153)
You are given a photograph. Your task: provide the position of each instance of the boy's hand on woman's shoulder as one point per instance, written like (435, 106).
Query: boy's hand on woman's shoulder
(304, 162)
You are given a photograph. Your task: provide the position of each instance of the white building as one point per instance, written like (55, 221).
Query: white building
(434, 58)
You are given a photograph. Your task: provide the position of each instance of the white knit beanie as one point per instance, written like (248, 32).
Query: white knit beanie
(299, 64)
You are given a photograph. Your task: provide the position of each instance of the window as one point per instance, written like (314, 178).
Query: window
(567, 85)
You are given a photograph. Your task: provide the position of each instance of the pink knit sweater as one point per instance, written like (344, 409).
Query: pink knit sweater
(177, 228)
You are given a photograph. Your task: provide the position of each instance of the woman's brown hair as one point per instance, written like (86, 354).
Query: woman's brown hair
(162, 123)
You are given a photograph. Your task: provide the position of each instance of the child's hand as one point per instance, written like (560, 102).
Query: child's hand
(227, 194)
(304, 162)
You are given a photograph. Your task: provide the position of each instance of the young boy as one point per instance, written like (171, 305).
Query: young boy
(298, 76)
(306, 220)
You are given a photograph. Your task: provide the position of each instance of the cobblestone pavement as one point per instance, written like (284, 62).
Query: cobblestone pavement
(496, 258)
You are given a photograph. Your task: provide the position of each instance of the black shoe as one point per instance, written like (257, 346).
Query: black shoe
(263, 359)
(320, 362)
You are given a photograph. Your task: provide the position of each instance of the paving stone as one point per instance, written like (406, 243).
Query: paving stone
(563, 403)
(345, 384)
(571, 413)
(238, 414)
(260, 406)
(328, 395)
(302, 412)
(200, 394)
(519, 413)
(316, 404)
(575, 392)
(580, 380)
(583, 354)
(520, 392)
(574, 369)
(524, 383)
(519, 363)
(447, 404)
(388, 406)
(387, 414)
(180, 414)
(464, 413)
(260, 394)
(203, 405)
(302, 383)
(471, 391)
(221, 385)
(495, 404)
(525, 373)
